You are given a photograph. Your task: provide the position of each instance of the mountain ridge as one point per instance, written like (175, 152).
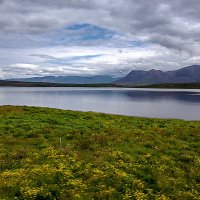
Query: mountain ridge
(189, 74)
(69, 79)
(183, 75)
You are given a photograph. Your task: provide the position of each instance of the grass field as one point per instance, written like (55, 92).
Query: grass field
(100, 156)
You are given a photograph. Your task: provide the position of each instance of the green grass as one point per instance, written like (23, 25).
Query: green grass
(102, 156)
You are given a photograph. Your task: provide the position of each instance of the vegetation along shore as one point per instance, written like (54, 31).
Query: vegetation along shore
(196, 85)
(55, 154)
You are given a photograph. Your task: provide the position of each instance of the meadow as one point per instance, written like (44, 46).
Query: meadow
(55, 154)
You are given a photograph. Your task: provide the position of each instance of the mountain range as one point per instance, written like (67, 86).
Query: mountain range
(69, 79)
(184, 75)
(188, 74)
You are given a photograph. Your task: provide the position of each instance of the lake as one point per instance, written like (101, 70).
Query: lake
(159, 103)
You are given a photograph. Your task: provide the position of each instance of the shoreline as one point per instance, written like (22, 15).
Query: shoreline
(45, 84)
(99, 113)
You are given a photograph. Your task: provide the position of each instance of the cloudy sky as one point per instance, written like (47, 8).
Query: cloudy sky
(89, 37)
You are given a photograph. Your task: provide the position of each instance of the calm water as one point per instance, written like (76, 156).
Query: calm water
(162, 103)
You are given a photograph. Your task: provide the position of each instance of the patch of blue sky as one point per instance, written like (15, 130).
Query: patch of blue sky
(88, 34)
(86, 57)
(71, 60)
(91, 32)
(77, 34)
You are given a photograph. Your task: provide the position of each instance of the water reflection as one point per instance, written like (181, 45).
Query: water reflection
(160, 95)
(183, 104)
(135, 95)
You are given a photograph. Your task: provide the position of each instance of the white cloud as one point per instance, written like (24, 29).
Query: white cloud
(25, 66)
(74, 60)
(146, 34)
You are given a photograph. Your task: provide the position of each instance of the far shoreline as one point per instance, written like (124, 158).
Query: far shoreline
(99, 85)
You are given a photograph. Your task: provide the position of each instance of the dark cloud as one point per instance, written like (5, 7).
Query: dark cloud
(146, 18)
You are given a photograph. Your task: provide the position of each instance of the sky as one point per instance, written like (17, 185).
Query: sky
(92, 37)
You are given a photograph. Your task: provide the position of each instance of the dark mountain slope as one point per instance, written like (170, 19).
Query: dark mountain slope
(184, 75)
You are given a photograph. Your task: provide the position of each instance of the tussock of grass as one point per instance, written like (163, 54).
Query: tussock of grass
(102, 156)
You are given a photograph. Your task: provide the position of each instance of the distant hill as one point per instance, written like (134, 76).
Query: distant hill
(46, 84)
(69, 79)
(188, 74)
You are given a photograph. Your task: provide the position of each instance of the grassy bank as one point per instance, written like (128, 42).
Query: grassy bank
(100, 156)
